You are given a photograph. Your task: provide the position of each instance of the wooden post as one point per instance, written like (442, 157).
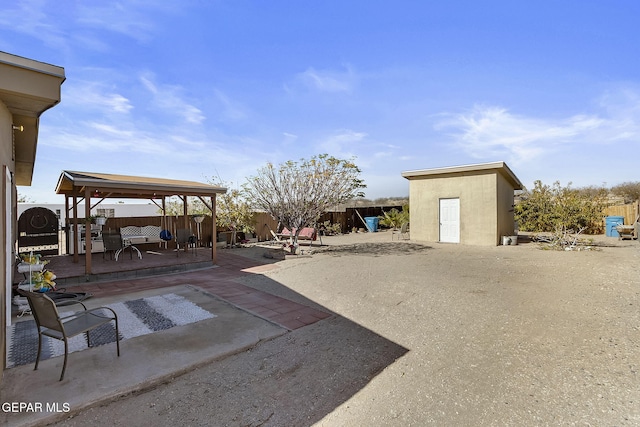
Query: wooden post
(186, 219)
(164, 220)
(87, 231)
(75, 228)
(214, 233)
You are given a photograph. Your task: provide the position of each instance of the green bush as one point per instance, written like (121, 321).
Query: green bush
(554, 208)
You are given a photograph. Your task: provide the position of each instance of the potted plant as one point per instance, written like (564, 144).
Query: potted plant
(198, 218)
(97, 219)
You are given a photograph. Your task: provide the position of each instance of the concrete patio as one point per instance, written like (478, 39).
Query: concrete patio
(245, 316)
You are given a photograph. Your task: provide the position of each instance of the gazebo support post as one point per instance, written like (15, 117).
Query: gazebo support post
(74, 244)
(186, 218)
(214, 234)
(87, 231)
(164, 220)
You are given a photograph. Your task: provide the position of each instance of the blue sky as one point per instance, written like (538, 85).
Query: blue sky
(201, 89)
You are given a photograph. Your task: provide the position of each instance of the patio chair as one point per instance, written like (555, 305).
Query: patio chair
(186, 238)
(49, 323)
(113, 245)
(275, 239)
(403, 233)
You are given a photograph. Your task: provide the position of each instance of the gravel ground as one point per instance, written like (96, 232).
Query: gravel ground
(426, 334)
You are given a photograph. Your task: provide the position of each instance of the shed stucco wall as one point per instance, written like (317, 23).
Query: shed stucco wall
(506, 222)
(478, 196)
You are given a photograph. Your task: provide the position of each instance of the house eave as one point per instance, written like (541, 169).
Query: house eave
(27, 88)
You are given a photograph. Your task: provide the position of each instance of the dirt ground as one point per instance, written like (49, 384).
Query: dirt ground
(426, 334)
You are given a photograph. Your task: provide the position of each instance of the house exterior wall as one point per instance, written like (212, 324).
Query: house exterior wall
(27, 89)
(7, 211)
(478, 196)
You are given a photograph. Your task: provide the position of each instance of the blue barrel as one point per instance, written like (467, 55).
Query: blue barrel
(610, 225)
(372, 223)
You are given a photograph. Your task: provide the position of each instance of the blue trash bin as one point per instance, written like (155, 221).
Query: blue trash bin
(372, 223)
(610, 225)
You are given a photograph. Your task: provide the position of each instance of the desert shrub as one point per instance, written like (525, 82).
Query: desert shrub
(330, 229)
(552, 208)
(395, 218)
(630, 191)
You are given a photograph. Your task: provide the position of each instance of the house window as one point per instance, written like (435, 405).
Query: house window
(107, 213)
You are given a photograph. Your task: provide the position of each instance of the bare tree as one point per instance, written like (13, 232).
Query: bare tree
(24, 199)
(297, 193)
(174, 206)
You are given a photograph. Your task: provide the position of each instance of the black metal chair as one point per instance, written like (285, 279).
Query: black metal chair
(49, 322)
(113, 244)
(186, 238)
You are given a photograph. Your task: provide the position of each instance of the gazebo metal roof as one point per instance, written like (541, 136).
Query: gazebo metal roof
(116, 186)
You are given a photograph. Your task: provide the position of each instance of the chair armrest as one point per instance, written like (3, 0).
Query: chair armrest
(75, 313)
(91, 311)
(70, 302)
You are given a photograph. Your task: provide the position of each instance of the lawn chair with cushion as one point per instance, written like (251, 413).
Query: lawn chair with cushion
(49, 322)
(274, 239)
(403, 233)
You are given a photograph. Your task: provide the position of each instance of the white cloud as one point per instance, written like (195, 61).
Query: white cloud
(46, 20)
(495, 132)
(170, 100)
(328, 81)
(95, 95)
(289, 138)
(342, 144)
(133, 19)
(231, 110)
(33, 18)
(101, 138)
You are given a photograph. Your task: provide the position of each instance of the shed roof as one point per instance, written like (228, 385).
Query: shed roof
(130, 187)
(466, 170)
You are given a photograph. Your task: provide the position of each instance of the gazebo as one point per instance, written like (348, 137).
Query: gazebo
(85, 186)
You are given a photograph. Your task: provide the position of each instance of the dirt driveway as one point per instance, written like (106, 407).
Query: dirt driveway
(427, 334)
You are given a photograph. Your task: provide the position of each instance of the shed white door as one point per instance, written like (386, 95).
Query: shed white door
(450, 220)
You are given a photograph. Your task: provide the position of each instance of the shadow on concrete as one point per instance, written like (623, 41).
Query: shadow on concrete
(237, 369)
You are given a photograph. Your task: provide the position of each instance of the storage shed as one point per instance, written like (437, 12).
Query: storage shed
(470, 204)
